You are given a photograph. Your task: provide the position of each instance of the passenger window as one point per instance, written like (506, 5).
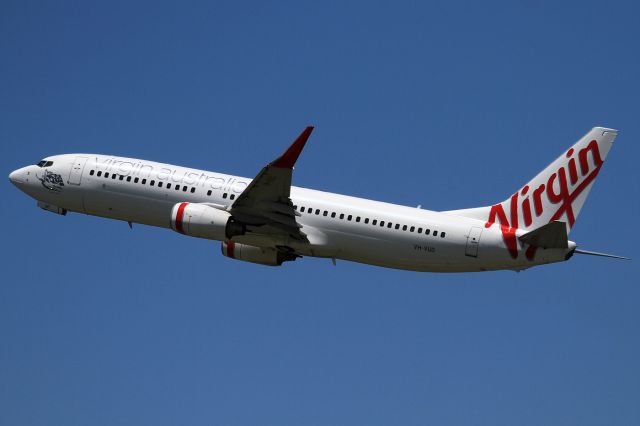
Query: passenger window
(121, 177)
(295, 208)
(113, 176)
(349, 217)
(397, 226)
(193, 190)
(302, 209)
(333, 214)
(325, 213)
(144, 181)
(106, 174)
(419, 230)
(159, 184)
(382, 223)
(366, 220)
(177, 187)
(404, 227)
(136, 180)
(442, 235)
(91, 172)
(317, 211)
(99, 173)
(374, 222)
(184, 188)
(128, 178)
(168, 186)
(435, 233)
(413, 228)
(209, 192)
(358, 219)
(152, 182)
(341, 215)
(389, 225)
(224, 195)
(233, 196)
(426, 232)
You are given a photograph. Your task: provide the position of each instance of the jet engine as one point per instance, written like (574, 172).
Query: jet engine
(262, 255)
(203, 221)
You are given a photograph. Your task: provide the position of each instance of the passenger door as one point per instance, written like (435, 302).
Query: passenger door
(473, 240)
(75, 174)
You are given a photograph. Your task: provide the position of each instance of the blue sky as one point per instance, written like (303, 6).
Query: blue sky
(445, 104)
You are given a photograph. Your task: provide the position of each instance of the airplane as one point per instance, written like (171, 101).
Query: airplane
(268, 221)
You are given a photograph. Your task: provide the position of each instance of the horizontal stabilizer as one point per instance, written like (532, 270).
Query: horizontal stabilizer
(595, 253)
(551, 235)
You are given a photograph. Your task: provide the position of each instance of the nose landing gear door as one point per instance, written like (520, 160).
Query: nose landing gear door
(75, 175)
(473, 240)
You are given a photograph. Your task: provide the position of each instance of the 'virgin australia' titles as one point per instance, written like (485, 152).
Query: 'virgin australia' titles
(145, 170)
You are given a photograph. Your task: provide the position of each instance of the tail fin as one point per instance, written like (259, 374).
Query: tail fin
(555, 194)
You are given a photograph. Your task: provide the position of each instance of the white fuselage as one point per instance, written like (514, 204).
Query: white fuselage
(337, 226)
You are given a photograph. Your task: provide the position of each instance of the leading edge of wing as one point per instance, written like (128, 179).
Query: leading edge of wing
(290, 156)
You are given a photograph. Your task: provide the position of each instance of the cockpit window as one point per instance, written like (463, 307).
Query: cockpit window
(44, 163)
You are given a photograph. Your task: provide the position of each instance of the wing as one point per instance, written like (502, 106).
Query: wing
(266, 202)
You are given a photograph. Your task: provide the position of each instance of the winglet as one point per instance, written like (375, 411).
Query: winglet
(290, 156)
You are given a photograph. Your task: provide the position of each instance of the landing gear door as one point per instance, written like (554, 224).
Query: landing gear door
(75, 175)
(473, 241)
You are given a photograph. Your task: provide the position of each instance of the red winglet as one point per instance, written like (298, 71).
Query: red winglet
(290, 156)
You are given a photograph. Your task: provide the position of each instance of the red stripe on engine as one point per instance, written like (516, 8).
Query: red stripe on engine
(179, 216)
(231, 248)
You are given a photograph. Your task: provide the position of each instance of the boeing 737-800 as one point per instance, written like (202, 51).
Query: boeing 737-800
(265, 220)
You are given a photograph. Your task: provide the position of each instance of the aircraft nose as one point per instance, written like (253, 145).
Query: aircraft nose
(17, 176)
(13, 176)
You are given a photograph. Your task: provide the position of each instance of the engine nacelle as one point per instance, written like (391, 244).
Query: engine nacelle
(263, 255)
(202, 221)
